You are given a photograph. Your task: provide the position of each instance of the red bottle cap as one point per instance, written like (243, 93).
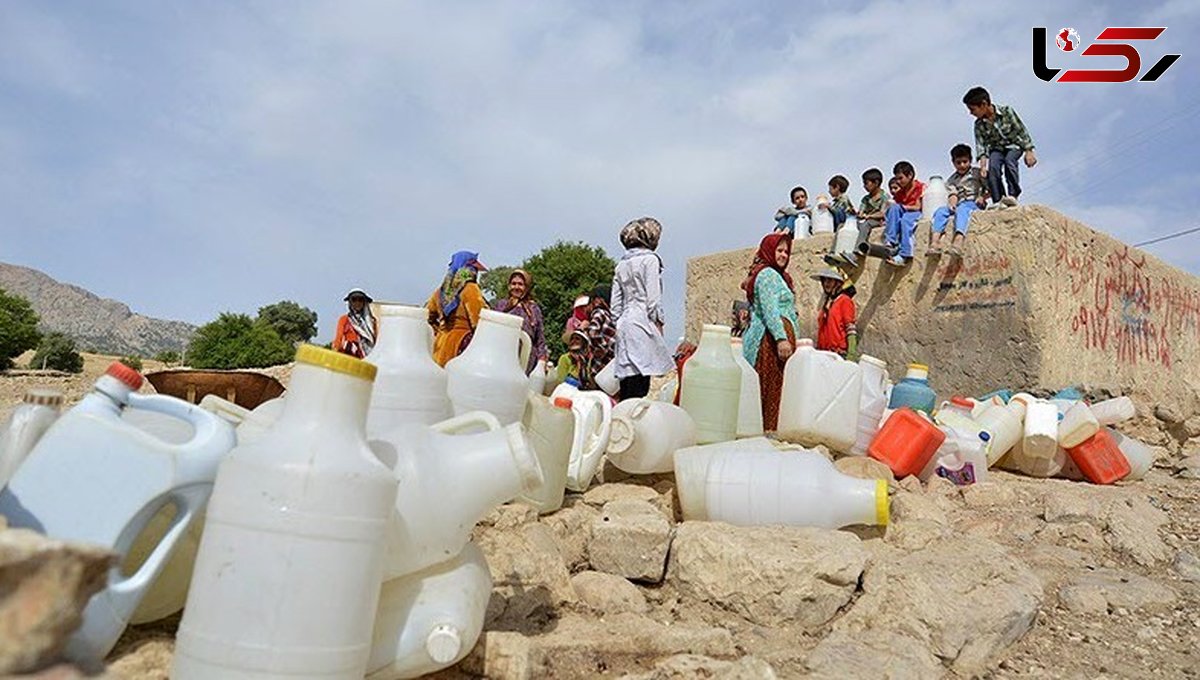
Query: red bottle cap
(125, 374)
(962, 401)
(563, 402)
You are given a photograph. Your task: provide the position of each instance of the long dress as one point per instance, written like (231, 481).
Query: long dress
(637, 307)
(448, 337)
(772, 318)
(533, 325)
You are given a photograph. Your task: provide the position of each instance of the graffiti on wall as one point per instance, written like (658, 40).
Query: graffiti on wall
(1123, 310)
(982, 283)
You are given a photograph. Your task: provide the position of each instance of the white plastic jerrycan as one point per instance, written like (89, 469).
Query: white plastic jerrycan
(1078, 424)
(646, 434)
(846, 241)
(962, 457)
(871, 403)
(250, 425)
(450, 475)
(822, 218)
(94, 478)
(750, 421)
(607, 381)
(1140, 456)
(432, 619)
(1019, 460)
(1004, 425)
(936, 196)
(761, 487)
(1041, 430)
(287, 578)
(537, 378)
(490, 375)
(822, 394)
(409, 387)
(25, 427)
(550, 430)
(712, 387)
(593, 425)
(1113, 411)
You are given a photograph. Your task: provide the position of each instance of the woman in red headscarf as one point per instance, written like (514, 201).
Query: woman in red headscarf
(771, 337)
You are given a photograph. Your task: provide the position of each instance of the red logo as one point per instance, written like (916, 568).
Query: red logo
(1114, 45)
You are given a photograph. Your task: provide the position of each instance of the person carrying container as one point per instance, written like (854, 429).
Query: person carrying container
(455, 306)
(836, 330)
(358, 328)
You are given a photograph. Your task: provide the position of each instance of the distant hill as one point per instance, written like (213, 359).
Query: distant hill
(96, 324)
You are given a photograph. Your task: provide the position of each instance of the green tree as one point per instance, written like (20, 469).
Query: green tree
(494, 283)
(132, 361)
(57, 352)
(562, 272)
(168, 357)
(293, 322)
(18, 328)
(237, 341)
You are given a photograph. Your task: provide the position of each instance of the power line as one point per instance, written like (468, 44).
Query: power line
(1168, 237)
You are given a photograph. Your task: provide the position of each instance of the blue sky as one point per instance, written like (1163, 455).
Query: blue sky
(189, 158)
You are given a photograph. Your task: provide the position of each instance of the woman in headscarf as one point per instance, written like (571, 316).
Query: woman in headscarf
(640, 351)
(575, 365)
(454, 307)
(520, 303)
(357, 329)
(771, 337)
(578, 318)
(600, 329)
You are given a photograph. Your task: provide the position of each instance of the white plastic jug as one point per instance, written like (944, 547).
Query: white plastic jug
(690, 469)
(490, 375)
(1113, 411)
(250, 425)
(666, 393)
(803, 227)
(450, 475)
(1077, 425)
(712, 387)
(822, 393)
(750, 420)
(287, 578)
(607, 381)
(1140, 456)
(430, 620)
(822, 219)
(593, 425)
(1018, 460)
(646, 434)
(936, 196)
(871, 403)
(1004, 425)
(25, 427)
(537, 378)
(550, 429)
(409, 387)
(759, 487)
(846, 241)
(94, 478)
(1040, 439)
(962, 457)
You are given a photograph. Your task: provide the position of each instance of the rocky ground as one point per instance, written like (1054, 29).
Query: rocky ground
(1017, 577)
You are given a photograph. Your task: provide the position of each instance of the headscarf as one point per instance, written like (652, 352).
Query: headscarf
(579, 310)
(462, 270)
(584, 357)
(765, 258)
(643, 232)
(363, 323)
(527, 298)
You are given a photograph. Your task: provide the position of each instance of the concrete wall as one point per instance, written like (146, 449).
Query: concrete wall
(1038, 300)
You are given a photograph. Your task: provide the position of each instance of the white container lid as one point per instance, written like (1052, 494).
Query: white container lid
(874, 361)
(387, 309)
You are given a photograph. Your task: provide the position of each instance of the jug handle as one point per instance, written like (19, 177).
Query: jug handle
(212, 433)
(127, 593)
(466, 421)
(526, 345)
(599, 440)
(225, 408)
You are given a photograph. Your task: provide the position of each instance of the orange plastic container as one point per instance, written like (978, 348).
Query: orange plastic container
(906, 442)
(1100, 459)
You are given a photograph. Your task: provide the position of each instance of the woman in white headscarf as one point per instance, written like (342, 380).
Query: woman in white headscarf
(636, 305)
(357, 329)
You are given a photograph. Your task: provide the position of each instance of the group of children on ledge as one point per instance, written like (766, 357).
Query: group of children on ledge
(1001, 140)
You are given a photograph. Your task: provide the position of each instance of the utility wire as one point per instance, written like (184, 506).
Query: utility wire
(1168, 237)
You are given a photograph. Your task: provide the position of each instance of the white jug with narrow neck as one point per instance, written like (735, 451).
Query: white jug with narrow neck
(936, 196)
(25, 427)
(750, 421)
(490, 375)
(409, 387)
(550, 429)
(646, 434)
(712, 387)
(93, 478)
(593, 426)
(871, 403)
(287, 578)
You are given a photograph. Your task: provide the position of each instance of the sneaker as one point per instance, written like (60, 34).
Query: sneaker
(896, 261)
(998, 205)
(1009, 201)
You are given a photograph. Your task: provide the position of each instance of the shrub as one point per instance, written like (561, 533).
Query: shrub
(18, 328)
(237, 341)
(133, 362)
(293, 322)
(170, 357)
(57, 352)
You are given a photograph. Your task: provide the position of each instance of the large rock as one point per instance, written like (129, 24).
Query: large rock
(44, 587)
(965, 599)
(1129, 522)
(608, 594)
(872, 653)
(530, 579)
(693, 667)
(630, 538)
(772, 576)
(1104, 590)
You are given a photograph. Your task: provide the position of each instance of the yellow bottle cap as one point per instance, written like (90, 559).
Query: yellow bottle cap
(882, 510)
(919, 367)
(335, 361)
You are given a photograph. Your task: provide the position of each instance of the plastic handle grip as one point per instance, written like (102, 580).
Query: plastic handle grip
(467, 421)
(224, 408)
(126, 594)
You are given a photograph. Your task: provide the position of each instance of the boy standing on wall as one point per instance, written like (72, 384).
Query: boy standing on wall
(902, 216)
(1000, 140)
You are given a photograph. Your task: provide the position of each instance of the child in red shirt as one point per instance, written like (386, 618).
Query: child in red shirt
(836, 330)
(901, 218)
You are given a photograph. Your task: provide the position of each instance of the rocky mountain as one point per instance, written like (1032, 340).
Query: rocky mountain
(96, 323)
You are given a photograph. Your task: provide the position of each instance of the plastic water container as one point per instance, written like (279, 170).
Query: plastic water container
(1100, 460)
(1113, 411)
(1005, 427)
(757, 486)
(821, 398)
(287, 578)
(646, 434)
(432, 619)
(450, 475)
(958, 413)
(803, 226)
(1077, 425)
(1140, 456)
(846, 241)
(593, 424)
(936, 196)
(750, 420)
(872, 402)
(490, 375)
(712, 387)
(906, 442)
(822, 219)
(409, 387)
(1004, 395)
(607, 381)
(914, 391)
(537, 378)
(25, 427)
(961, 458)
(550, 429)
(1071, 393)
(1040, 439)
(1017, 460)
